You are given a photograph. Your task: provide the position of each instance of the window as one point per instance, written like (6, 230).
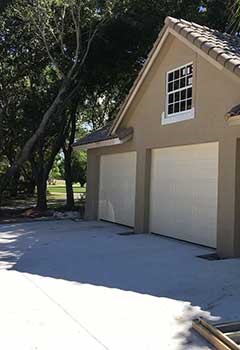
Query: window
(179, 100)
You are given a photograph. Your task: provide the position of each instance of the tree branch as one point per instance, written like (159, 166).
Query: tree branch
(59, 72)
(77, 51)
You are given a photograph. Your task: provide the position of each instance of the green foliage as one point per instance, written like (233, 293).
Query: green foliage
(38, 48)
(124, 43)
(234, 22)
(79, 167)
(3, 165)
(56, 171)
(64, 28)
(4, 4)
(218, 14)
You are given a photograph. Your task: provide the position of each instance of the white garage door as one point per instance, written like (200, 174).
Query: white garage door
(183, 195)
(117, 188)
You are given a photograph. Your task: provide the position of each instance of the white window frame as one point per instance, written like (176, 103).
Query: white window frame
(179, 116)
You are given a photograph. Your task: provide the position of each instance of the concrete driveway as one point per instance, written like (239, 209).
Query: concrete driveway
(90, 285)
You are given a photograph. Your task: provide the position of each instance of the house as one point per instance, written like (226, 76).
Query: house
(170, 161)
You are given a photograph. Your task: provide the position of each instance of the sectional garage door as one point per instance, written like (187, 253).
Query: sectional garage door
(117, 188)
(183, 194)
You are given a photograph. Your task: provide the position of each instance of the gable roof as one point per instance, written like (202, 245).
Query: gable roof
(220, 47)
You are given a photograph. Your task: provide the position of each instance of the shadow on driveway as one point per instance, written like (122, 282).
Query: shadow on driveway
(94, 253)
(96, 261)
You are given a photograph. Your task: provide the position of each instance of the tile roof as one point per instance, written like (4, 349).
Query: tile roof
(222, 47)
(103, 135)
(234, 111)
(96, 136)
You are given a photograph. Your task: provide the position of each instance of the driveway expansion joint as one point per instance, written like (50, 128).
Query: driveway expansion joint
(66, 312)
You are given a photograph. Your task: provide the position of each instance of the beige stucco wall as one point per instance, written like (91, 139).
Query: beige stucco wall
(215, 92)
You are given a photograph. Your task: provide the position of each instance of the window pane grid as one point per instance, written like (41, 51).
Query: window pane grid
(179, 85)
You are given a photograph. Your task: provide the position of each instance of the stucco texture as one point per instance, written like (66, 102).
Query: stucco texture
(215, 91)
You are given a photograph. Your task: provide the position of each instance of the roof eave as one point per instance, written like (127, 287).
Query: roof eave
(233, 120)
(104, 143)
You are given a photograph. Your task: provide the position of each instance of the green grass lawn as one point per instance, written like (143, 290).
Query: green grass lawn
(58, 192)
(62, 189)
(56, 197)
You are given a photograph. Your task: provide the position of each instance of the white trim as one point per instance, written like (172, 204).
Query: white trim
(98, 144)
(166, 30)
(104, 143)
(234, 120)
(203, 54)
(178, 117)
(179, 67)
(147, 66)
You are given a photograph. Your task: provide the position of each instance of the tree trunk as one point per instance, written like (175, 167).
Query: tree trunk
(41, 182)
(31, 187)
(55, 109)
(68, 179)
(67, 150)
(14, 185)
(41, 193)
(68, 90)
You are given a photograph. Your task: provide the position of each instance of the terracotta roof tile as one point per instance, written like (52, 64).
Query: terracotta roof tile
(223, 47)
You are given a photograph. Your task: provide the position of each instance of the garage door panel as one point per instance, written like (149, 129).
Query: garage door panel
(183, 198)
(117, 188)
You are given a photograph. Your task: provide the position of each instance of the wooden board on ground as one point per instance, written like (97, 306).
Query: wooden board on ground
(224, 336)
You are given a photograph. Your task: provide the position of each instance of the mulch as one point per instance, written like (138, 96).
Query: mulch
(15, 215)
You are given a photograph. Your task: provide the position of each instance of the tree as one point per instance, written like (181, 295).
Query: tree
(79, 168)
(29, 84)
(55, 173)
(4, 4)
(67, 151)
(58, 69)
(217, 14)
(234, 20)
(57, 24)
